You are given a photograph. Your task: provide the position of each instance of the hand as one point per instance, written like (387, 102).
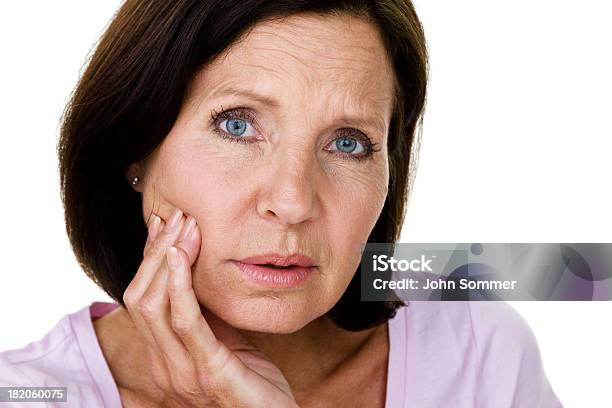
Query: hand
(197, 361)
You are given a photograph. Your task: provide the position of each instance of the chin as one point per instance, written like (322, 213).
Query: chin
(267, 313)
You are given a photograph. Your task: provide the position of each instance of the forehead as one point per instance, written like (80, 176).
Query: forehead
(337, 60)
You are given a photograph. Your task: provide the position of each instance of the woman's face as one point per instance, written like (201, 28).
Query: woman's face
(272, 153)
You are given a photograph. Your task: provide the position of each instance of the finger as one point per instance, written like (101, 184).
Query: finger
(155, 305)
(170, 223)
(186, 317)
(155, 312)
(190, 239)
(148, 268)
(155, 225)
(156, 315)
(155, 255)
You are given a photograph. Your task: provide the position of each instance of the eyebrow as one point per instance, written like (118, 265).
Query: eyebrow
(270, 101)
(264, 100)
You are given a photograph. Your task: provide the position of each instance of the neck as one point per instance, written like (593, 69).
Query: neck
(307, 358)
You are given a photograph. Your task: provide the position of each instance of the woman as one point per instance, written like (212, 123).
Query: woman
(222, 163)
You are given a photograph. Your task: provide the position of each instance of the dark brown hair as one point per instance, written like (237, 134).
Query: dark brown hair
(132, 90)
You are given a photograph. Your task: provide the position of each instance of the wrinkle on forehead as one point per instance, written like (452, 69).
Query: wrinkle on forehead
(336, 59)
(313, 40)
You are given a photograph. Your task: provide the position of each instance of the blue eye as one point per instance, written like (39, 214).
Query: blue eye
(235, 126)
(349, 145)
(346, 145)
(352, 144)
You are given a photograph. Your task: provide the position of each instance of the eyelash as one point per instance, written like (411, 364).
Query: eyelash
(239, 113)
(243, 113)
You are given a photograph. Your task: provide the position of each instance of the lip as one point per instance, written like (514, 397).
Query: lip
(253, 269)
(280, 260)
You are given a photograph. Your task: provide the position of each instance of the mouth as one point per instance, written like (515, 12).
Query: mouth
(269, 265)
(275, 260)
(274, 271)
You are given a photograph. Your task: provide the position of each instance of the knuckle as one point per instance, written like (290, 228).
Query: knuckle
(146, 248)
(183, 386)
(128, 298)
(182, 325)
(148, 308)
(156, 248)
(215, 367)
(161, 378)
(211, 382)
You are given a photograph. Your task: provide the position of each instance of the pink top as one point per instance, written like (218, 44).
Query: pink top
(442, 354)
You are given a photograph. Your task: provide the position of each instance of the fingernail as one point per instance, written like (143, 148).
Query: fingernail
(193, 229)
(172, 257)
(187, 227)
(154, 227)
(174, 219)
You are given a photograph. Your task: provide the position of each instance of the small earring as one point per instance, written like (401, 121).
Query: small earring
(135, 180)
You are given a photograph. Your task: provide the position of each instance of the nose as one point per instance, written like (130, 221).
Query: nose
(289, 195)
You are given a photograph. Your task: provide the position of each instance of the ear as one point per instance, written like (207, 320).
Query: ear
(135, 176)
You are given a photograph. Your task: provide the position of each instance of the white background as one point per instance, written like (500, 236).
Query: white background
(516, 148)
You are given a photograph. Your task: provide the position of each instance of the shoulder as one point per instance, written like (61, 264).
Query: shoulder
(509, 364)
(503, 338)
(474, 328)
(486, 324)
(35, 364)
(482, 352)
(509, 359)
(44, 362)
(498, 324)
(67, 356)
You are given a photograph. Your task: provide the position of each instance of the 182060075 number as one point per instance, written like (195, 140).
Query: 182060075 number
(33, 394)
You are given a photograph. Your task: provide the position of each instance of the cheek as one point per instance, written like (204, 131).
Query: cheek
(357, 204)
(212, 185)
(358, 198)
(365, 197)
(198, 178)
